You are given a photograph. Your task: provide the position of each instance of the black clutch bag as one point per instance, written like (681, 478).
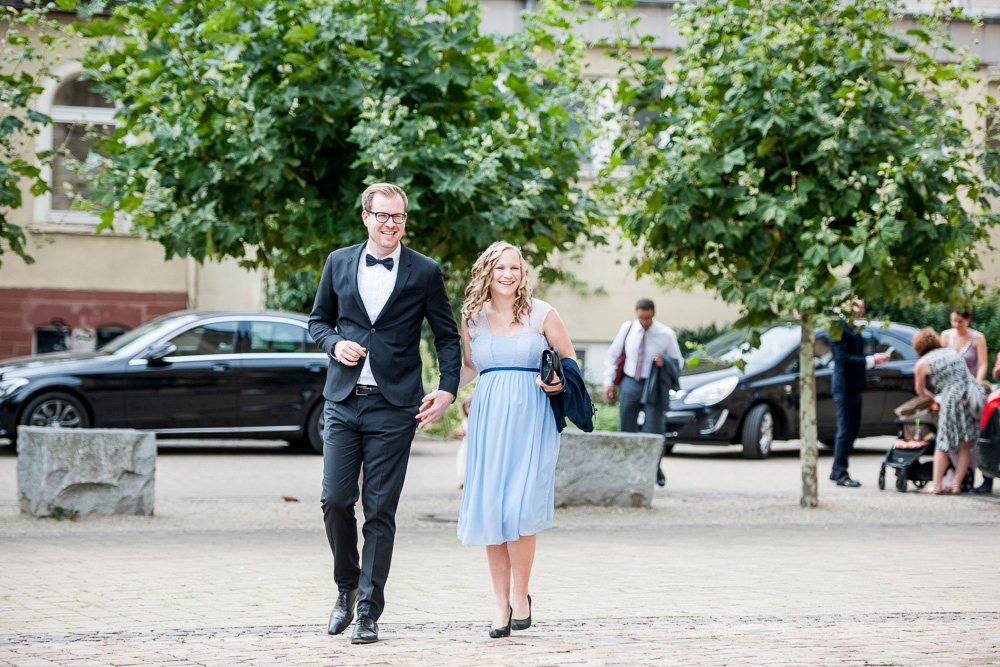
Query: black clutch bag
(549, 368)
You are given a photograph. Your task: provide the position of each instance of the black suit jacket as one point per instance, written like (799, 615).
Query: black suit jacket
(393, 339)
(849, 362)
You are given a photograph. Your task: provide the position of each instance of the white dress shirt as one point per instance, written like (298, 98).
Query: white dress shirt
(375, 283)
(660, 341)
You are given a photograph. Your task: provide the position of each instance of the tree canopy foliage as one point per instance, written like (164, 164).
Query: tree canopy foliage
(28, 40)
(798, 142)
(249, 129)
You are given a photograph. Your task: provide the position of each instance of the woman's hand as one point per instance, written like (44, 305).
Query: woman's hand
(557, 386)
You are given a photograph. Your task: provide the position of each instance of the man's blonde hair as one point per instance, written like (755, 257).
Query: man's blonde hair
(384, 189)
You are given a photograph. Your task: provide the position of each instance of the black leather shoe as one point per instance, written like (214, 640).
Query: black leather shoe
(661, 479)
(497, 633)
(845, 480)
(521, 623)
(366, 631)
(343, 611)
(985, 487)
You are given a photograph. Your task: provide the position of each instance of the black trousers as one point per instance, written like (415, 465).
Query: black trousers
(848, 425)
(630, 405)
(364, 433)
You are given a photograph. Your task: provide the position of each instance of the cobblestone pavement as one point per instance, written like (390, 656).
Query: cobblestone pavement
(725, 569)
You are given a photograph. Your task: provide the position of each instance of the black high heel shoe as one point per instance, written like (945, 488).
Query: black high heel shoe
(521, 623)
(497, 633)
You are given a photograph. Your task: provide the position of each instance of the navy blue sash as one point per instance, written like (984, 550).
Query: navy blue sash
(508, 368)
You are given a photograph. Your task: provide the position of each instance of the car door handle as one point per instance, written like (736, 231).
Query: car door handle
(219, 367)
(874, 378)
(316, 368)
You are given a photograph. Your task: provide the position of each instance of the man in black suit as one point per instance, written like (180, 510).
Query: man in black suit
(371, 302)
(849, 381)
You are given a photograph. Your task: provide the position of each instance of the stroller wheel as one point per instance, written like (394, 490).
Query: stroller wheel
(901, 480)
(881, 479)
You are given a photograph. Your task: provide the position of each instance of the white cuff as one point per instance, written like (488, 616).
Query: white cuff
(870, 361)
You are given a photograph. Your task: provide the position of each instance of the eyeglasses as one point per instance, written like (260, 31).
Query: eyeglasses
(398, 218)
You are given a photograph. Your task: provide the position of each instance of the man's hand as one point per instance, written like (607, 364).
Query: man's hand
(348, 352)
(658, 360)
(609, 393)
(433, 406)
(882, 357)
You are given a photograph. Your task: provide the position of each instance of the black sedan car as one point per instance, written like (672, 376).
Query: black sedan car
(184, 375)
(719, 404)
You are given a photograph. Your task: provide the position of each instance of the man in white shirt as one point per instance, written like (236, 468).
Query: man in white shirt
(645, 342)
(370, 305)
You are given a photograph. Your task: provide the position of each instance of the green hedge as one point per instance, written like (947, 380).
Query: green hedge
(985, 315)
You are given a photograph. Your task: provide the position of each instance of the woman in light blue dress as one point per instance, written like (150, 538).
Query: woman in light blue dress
(512, 438)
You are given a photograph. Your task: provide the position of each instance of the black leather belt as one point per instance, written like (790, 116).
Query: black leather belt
(366, 390)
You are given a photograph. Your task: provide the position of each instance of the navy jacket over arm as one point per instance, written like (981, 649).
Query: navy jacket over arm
(393, 339)
(849, 362)
(574, 403)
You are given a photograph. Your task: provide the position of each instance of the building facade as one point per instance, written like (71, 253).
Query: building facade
(84, 288)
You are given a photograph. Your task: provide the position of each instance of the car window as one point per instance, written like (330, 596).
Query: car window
(902, 348)
(775, 343)
(214, 338)
(822, 354)
(277, 337)
(869, 341)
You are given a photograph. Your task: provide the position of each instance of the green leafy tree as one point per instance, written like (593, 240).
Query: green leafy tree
(798, 141)
(26, 45)
(249, 129)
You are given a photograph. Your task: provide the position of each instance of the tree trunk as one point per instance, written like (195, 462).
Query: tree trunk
(808, 451)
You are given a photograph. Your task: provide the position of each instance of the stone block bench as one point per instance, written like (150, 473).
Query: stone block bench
(89, 470)
(607, 468)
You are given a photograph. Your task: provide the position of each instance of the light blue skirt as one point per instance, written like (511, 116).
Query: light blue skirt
(510, 467)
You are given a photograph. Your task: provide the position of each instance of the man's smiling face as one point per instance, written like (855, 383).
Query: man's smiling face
(384, 236)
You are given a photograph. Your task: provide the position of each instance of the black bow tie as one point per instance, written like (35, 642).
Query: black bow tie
(371, 261)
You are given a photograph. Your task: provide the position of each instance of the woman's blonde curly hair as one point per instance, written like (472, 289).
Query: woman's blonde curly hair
(478, 291)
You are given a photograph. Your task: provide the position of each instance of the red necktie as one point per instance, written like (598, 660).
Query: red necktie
(639, 355)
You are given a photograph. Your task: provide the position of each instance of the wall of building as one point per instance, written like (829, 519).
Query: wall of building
(82, 282)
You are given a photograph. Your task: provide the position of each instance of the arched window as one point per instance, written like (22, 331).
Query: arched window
(79, 115)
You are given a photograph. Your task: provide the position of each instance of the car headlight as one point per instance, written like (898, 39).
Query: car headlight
(713, 392)
(8, 387)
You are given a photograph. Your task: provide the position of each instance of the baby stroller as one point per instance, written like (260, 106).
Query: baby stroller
(917, 421)
(917, 424)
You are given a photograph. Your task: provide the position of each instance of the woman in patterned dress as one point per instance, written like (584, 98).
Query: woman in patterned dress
(971, 345)
(960, 400)
(512, 437)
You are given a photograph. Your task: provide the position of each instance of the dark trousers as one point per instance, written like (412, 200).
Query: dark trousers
(629, 407)
(364, 432)
(848, 425)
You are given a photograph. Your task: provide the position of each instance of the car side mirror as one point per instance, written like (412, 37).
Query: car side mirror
(156, 356)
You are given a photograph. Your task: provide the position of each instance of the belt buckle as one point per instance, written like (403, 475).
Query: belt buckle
(358, 390)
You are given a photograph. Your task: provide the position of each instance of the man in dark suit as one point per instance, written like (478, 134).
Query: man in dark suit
(849, 381)
(371, 302)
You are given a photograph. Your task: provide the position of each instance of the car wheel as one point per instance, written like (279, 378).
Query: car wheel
(55, 409)
(314, 428)
(758, 432)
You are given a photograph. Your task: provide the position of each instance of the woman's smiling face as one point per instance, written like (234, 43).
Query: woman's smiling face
(506, 273)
